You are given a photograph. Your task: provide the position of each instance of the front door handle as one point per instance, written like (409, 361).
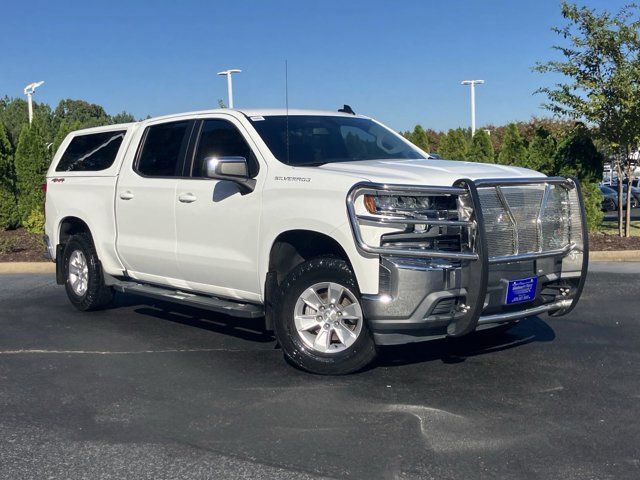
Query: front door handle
(126, 195)
(187, 197)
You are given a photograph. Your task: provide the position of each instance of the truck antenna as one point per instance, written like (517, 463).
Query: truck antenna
(286, 103)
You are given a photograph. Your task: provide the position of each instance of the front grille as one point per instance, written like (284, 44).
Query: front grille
(530, 218)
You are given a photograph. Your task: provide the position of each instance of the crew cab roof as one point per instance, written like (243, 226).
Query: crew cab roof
(255, 112)
(249, 112)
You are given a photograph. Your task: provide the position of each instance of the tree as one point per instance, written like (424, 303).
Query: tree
(601, 64)
(453, 145)
(514, 150)
(578, 156)
(542, 151)
(122, 117)
(8, 210)
(64, 129)
(85, 113)
(419, 138)
(32, 159)
(14, 114)
(481, 148)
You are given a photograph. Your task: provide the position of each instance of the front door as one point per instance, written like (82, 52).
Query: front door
(145, 203)
(217, 226)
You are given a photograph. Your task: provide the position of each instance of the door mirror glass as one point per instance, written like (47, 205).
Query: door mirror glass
(226, 168)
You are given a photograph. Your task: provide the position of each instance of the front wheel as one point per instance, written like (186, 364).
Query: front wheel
(319, 321)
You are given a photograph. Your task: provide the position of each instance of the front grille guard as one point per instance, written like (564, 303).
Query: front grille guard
(476, 256)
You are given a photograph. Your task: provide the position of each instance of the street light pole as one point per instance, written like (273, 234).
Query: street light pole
(228, 74)
(472, 84)
(28, 91)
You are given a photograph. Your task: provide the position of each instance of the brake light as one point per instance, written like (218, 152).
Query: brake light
(43, 187)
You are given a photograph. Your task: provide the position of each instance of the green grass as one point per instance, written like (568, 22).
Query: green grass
(611, 227)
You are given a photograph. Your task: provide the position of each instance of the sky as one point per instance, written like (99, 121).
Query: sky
(398, 61)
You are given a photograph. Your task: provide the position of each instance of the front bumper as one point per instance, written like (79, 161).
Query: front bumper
(425, 300)
(432, 294)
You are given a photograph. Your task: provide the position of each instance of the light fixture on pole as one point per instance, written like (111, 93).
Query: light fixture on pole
(472, 84)
(228, 74)
(28, 91)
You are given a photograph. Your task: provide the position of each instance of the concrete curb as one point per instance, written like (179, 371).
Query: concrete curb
(615, 256)
(27, 267)
(50, 267)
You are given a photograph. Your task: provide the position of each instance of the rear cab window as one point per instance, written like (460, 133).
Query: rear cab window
(91, 152)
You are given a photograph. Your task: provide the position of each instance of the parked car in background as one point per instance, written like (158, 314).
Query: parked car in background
(610, 198)
(635, 194)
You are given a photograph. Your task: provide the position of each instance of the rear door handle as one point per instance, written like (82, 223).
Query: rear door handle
(187, 197)
(126, 195)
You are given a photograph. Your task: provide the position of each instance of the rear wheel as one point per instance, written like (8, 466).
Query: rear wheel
(84, 281)
(319, 320)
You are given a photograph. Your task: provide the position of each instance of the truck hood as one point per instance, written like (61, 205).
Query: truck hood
(425, 172)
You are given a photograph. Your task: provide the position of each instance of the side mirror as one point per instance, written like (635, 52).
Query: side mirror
(234, 169)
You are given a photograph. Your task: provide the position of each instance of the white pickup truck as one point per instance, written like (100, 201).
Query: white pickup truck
(335, 229)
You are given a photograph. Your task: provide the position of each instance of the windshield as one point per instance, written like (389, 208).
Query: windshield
(316, 139)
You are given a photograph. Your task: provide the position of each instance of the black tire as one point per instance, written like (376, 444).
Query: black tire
(97, 295)
(608, 205)
(317, 270)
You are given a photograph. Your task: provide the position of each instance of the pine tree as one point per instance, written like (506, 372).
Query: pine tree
(419, 138)
(31, 162)
(8, 204)
(453, 145)
(541, 152)
(64, 129)
(481, 148)
(514, 150)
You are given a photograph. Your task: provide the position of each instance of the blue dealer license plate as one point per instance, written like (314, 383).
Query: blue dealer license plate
(521, 290)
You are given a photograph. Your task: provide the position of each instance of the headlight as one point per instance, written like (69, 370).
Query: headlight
(431, 206)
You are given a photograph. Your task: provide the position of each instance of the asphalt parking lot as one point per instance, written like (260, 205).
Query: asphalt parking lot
(150, 390)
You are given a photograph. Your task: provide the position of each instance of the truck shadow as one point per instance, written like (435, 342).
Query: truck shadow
(251, 329)
(456, 350)
(449, 350)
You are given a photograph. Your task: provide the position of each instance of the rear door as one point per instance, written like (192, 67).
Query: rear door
(145, 203)
(217, 226)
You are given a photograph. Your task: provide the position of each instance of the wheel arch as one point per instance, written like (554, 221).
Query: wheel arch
(292, 247)
(72, 225)
(289, 249)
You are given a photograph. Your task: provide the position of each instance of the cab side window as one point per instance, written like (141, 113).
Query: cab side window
(163, 148)
(219, 138)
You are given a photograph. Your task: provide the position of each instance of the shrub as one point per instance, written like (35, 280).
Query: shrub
(9, 245)
(454, 145)
(514, 150)
(592, 204)
(481, 148)
(34, 222)
(9, 218)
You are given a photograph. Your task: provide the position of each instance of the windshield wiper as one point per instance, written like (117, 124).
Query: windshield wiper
(310, 164)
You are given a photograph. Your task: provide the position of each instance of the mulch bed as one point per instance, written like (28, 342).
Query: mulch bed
(605, 242)
(20, 246)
